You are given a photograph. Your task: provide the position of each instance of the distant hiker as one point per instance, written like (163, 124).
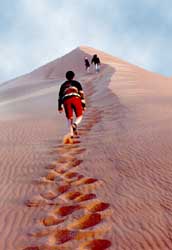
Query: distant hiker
(96, 61)
(87, 64)
(71, 97)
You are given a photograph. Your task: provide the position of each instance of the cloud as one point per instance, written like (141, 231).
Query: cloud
(36, 32)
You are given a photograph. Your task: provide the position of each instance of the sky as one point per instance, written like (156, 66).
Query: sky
(35, 32)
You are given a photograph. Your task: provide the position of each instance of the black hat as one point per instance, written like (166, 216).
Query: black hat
(70, 75)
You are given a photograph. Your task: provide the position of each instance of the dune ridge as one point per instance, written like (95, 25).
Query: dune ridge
(109, 190)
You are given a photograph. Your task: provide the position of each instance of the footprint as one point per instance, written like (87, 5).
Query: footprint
(40, 232)
(51, 175)
(36, 202)
(83, 181)
(60, 170)
(70, 175)
(98, 207)
(86, 221)
(64, 235)
(89, 180)
(49, 195)
(51, 166)
(66, 210)
(92, 233)
(85, 197)
(74, 149)
(96, 244)
(42, 181)
(72, 195)
(55, 163)
(77, 151)
(52, 220)
(74, 163)
(63, 188)
(76, 140)
(65, 159)
(64, 148)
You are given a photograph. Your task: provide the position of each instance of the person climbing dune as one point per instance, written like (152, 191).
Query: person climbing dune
(71, 98)
(87, 64)
(96, 61)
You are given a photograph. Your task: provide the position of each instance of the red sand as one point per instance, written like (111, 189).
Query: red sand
(126, 134)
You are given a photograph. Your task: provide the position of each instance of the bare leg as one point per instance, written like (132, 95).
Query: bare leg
(69, 123)
(75, 124)
(78, 120)
(96, 67)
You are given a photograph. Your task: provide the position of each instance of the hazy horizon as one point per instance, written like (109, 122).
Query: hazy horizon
(138, 33)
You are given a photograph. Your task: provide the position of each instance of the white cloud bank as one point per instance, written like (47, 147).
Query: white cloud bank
(39, 31)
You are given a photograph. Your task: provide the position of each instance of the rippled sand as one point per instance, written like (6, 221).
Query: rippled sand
(111, 188)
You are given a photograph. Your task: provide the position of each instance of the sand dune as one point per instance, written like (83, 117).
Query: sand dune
(111, 189)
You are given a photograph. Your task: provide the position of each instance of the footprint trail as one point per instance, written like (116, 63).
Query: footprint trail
(73, 216)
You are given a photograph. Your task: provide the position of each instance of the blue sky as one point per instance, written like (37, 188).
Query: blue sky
(35, 32)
